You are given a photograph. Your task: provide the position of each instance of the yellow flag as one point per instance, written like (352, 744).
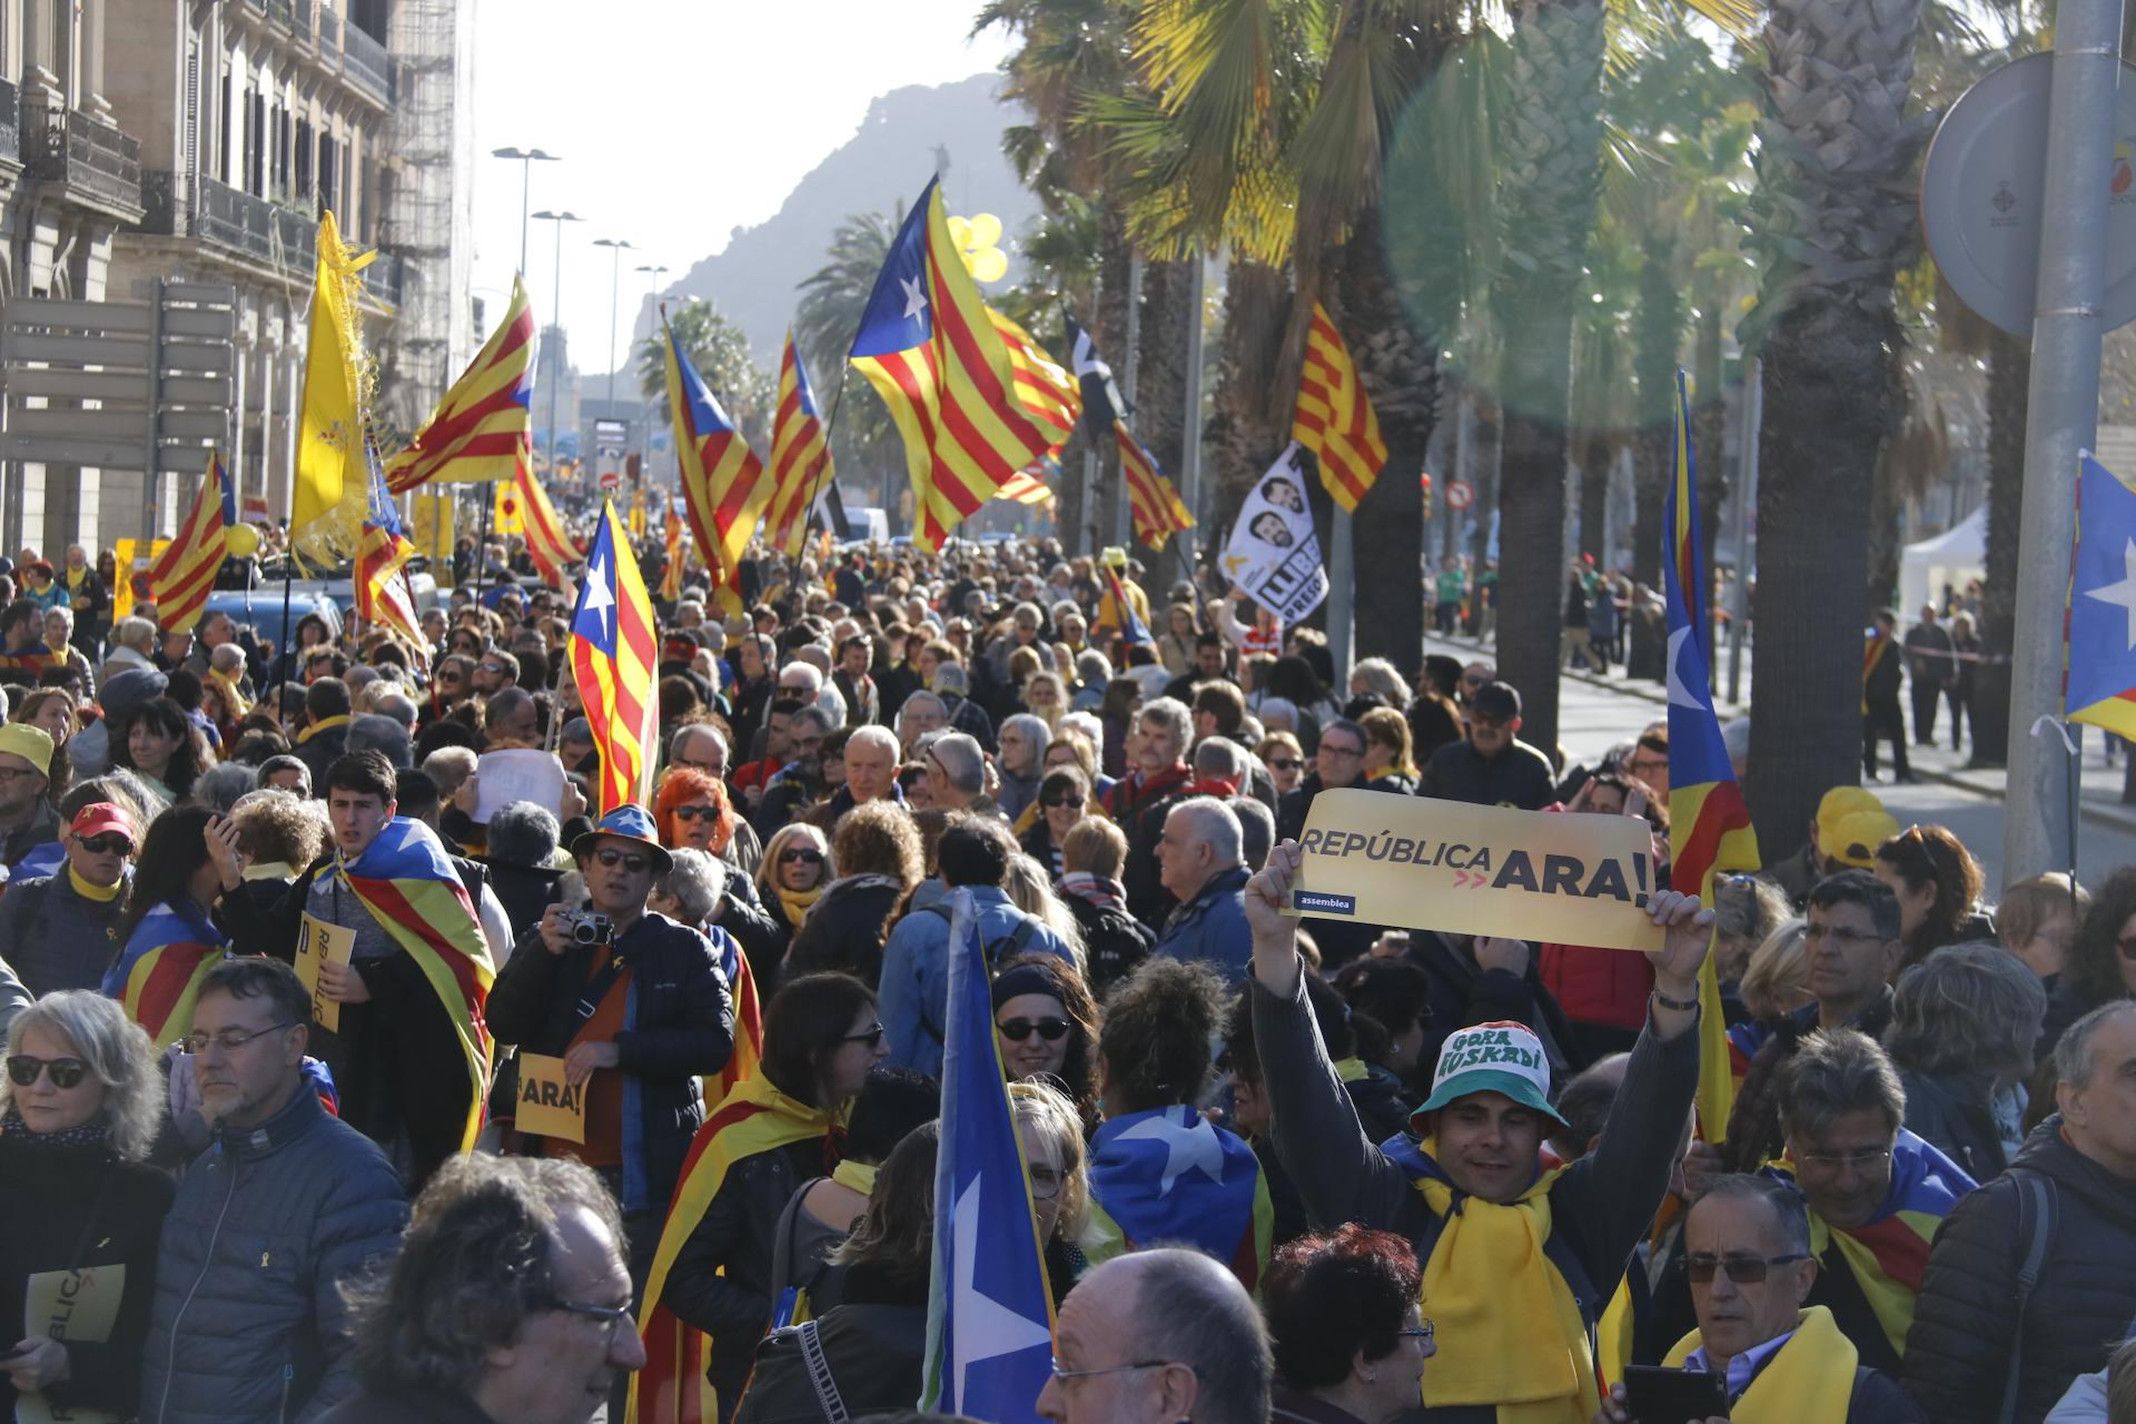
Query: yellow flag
(332, 486)
(508, 518)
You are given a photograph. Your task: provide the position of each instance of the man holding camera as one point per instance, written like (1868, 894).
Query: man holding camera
(635, 1006)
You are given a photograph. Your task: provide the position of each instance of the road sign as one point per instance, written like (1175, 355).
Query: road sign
(1982, 195)
(611, 481)
(1459, 495)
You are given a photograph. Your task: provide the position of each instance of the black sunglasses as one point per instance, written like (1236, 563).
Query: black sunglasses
(1743, 1270)
(66, 1072)
(1286, 764)
(610, 856)
(801, 855)
(1058, 803)
(106, 845)
(870, 1036)
(1051, 1030)
(691, 813)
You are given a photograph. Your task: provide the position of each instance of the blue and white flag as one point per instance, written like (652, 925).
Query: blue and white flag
(989, 1311)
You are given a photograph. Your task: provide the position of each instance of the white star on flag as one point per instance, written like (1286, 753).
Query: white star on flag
(1680, 693)
(1194, 1145)
(2122, 593)
(915, 299)
(985, 1329)
(600, 597)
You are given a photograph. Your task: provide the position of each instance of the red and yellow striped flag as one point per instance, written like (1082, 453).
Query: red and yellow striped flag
(1158, 511)
(156, 978)
(548, 545)
(800, 456)
(480, 430)
(1048, 394)
(723, 481)
(931, 349)
(184, 574)
(1334, 417)
(1024, 488)
(614, 654)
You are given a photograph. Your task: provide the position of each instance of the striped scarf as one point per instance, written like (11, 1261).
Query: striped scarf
(1100, 890)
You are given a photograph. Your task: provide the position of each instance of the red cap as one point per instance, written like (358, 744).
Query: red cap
(98, 817)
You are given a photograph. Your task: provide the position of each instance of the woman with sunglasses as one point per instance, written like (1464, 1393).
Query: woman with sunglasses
(877, 851)
(1280, 753)
(1063, 800)
(1048, 1025)
(79, 1109)
(796, 868)
(1342, 1316)
(822, 1035)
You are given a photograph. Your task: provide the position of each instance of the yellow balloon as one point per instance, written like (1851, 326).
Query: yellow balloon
(989, 264)
(985, 230)
(960, 232)
(243, 541)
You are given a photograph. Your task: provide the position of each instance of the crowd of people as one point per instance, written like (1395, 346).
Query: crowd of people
(1279, 1168)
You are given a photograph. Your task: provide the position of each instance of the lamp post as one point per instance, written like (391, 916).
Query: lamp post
(654, 272)
(616, 247)
(556, 301)
(527, 159)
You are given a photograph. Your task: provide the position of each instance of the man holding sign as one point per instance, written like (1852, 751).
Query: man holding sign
(1513, 1321)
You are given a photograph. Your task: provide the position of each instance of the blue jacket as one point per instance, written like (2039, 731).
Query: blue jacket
(1212, 927)
(915, 984)
(249, 1324)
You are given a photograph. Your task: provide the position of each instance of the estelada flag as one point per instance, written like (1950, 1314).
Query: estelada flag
(800, 458)
(756, 1117)
(156, 978)
(723, 482)
(184, 574)
(382, 594)
(405, 881)
(614, 656)
(481, 429)
(1157, 508)
(2099, 681)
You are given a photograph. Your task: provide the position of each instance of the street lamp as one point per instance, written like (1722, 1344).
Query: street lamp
(616, 247)
(556, 302)
(654, 271)
(527, 159)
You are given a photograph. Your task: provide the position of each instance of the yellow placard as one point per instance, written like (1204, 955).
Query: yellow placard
(430, 529)
(548, 1106)
(1563, 878)
(129, 558)
(319, 944)
(70, 1305)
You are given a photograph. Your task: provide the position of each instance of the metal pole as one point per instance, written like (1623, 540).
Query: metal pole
(526, 204)
(1085, 543)
(1342, 597)
(1190, 424)
(1746, 506)
(2062, 413)
(1122, 528)
(556, 324)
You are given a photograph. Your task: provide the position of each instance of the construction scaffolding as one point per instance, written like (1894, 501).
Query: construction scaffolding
(428, 212)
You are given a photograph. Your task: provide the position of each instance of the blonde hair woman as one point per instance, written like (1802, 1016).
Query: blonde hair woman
(795, 868)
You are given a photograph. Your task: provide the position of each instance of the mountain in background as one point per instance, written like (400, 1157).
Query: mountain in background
(883, 166)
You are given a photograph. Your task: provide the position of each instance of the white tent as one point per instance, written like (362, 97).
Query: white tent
(1952, 559)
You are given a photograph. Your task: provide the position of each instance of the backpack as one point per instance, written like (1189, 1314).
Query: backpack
(2035, 1227)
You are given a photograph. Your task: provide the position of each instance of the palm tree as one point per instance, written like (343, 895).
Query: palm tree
(1834, 221)
(720, 352)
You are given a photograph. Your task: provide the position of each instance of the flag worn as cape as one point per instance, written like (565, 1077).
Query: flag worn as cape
(157, 976)
(1170, 1175)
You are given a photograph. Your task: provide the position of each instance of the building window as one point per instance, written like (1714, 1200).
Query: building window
(222, 129)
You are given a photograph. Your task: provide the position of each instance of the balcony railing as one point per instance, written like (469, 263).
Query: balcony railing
(83, 152)
(276, 237)
(329, 39)
(366, 62)
(10, 121)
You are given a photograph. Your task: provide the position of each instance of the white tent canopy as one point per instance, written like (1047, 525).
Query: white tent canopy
(1952, 559)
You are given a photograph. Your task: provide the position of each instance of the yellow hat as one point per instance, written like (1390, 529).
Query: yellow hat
(1853, 841)
(1114, 556)
(32, 744)
(1841, 802)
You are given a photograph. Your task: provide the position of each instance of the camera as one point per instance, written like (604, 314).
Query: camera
(587, 927)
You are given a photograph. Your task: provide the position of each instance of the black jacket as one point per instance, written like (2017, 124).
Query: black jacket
(1952, 1111)
(680, 1028)
(845, 930)
(525, 891)
(875, 1342)
(64, 1208)
(1520, 776)
(1114, 942)
(320, 750)
(745, 916)
(58, 939)
(1957, 1354)
(1463, 995)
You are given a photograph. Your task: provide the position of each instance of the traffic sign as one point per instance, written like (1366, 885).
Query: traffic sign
(1983, 200)
(611, 481)
(1459, 495)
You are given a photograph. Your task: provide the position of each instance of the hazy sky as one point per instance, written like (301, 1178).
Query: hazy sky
(677, 121)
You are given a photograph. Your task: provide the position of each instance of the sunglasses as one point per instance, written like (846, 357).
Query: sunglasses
(1743, 1270)
(871, 1036)
(1286, 764)
(611, 857)
(1063, 803)
(106, 845)
(801, 856)
(1017, 1030)
(22, 1070)
(692, 813)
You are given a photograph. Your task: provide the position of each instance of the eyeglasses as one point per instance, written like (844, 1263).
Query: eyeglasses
(1868, 1159)
(1423, 1330)
(492, 667)
(105, 845)
(1338, 749)
(871, 1036)
(611, 857)
(1840, 935)
(1286, 764)
(801, 855)
(66, 1072)
(1063, 803)
(612, 1317)
(1062, 1375)
(229, 1040)
(692, 813)
(9, 773)
(1045, 1183)
(1743, 1270)
(1051, 1030)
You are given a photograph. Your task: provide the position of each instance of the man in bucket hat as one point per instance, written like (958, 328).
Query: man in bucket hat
(1519, 1262)
(635, 1005)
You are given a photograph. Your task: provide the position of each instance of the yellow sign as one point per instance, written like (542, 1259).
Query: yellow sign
(548, 1106)
(131, 559)
(70, 1305)
(320, 944)
(1564, 878)
(430, 529)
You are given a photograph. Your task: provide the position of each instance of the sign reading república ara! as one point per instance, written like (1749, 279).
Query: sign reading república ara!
(1564, 878)
(1274, 555)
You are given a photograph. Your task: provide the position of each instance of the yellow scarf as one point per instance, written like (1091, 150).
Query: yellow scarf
(1350, 1070)
(855, 1176)
(796, 902)
(101, 894)
(1510, 1333)
(319, 726)
(238, 705)
(75, 577)
(1811, 1378)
